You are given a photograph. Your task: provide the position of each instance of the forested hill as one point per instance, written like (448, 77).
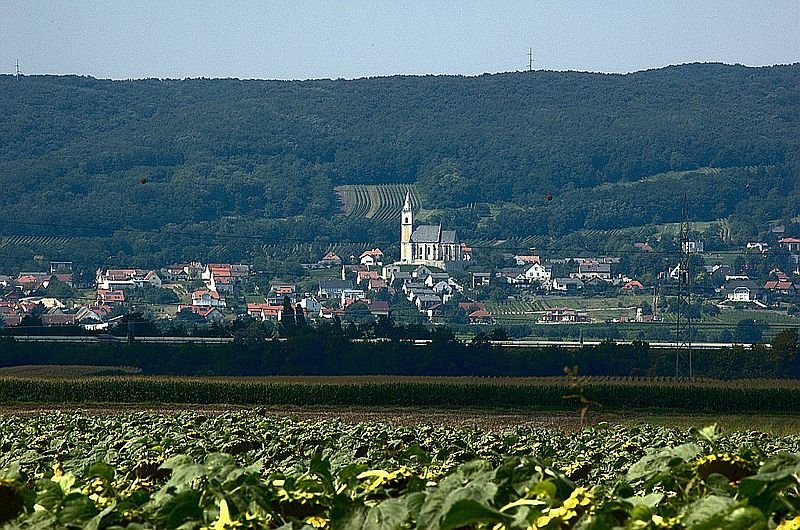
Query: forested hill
(144, 153)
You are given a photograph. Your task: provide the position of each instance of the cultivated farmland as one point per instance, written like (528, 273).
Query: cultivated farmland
(382, 202)
(249, 469)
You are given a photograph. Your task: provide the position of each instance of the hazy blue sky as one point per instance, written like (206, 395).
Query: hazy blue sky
(339, 38)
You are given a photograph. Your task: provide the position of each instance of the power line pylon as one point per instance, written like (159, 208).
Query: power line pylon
(683, 330)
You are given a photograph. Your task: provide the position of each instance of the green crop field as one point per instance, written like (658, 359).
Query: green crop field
(253, 469)
(613, 393)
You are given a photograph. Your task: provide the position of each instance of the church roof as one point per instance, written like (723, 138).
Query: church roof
(427, 234)
(448, 236)
(433, 234)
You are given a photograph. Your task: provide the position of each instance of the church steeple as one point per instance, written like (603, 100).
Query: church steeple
(407, 204)
(406, 228)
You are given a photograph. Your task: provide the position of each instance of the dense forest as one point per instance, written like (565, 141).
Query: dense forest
(217, 168)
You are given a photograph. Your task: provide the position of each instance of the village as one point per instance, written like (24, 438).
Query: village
(438, 279)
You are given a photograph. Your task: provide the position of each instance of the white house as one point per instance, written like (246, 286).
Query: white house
(741, 291)
(204, 298)
(372, 258)
(538, 273)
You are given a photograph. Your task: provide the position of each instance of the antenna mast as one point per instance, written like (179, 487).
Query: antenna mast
(683, 330)
(530, 59)
(17, 69)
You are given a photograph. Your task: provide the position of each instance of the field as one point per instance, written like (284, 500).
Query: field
(379, 202)
(599, 309)
(253, 469)
(609, 393)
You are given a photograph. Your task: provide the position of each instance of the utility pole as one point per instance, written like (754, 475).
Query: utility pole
(530, 59)
(683, 329)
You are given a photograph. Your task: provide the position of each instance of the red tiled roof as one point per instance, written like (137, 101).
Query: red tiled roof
(789, 240)
(111, 295)
(480, 313)
(779, 285)
(374, 252)
(633, 284)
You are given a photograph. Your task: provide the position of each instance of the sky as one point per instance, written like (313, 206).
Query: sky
(303, 39)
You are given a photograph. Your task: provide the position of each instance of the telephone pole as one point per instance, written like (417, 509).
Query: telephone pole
(683, 329)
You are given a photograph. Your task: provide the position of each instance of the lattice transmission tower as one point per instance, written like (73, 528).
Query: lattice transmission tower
(683, 329)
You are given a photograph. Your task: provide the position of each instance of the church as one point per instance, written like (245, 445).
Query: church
(428, 244)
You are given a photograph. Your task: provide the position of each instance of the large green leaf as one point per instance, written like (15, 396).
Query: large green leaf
(468, 512)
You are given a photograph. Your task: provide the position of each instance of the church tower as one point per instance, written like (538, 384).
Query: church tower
(406, 228)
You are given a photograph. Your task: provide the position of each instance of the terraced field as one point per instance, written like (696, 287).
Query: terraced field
(48, 241)
(380, 202)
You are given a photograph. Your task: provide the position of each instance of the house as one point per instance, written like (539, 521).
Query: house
(741, 291)
(372, 258)
(333, 288)
(31, 281)
(212, 315)
(120, 279)
(183, 272)
(311, 306)
(425, 300)
(365, 276)
(351, 296)
(792, 244)
(537, 272)
(436, 277)
(203, 298)
(566, 285)
(633, 287)
(719, 272)
(524, 261)
(564, 315)
(443, 289)
(480, 279)
(350, 271)
(330, 259)
(643, 247)
(56, 317)
(466, 252)
(512, 275)
(592, 269)
(280, 291)
(376, 283)
(110, 297)
(60, 266)
(481, 317)
(225, 277)
(389, 270)
(692, 247)
(757, 246)
(379, 308)
(64, 277)
(785, 287)
(402, 276)
(411, 288)
(263, 311)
